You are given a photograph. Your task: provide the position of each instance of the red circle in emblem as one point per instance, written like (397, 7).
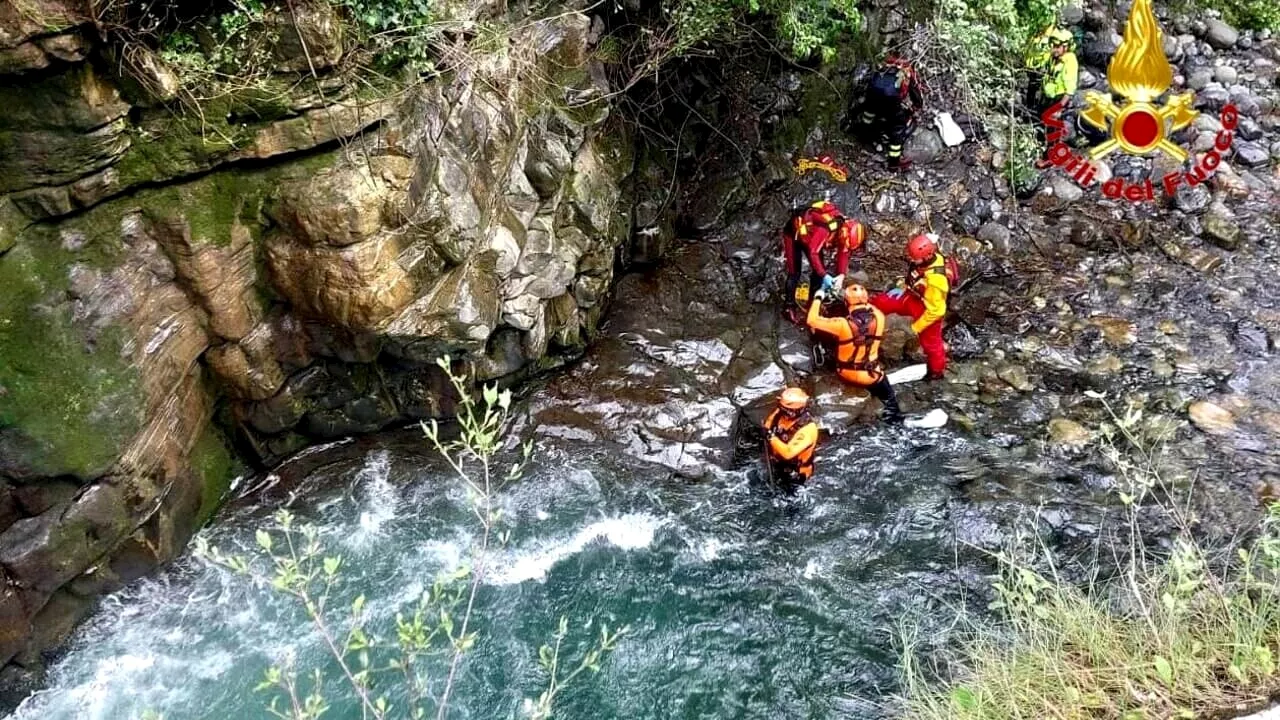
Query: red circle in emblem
(1140, 129)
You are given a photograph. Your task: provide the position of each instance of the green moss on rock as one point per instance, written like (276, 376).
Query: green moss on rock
(216, 466)
(212, 205)
(174, 146)
(69, 400)
(11, 223)
(70, 396)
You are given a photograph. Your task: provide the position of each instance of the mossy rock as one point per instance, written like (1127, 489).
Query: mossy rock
(12, 221)
(215, 465)
(70, 394)
(173, 147)
(69, 399)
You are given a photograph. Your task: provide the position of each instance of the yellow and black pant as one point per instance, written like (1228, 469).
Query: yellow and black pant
(888, 118)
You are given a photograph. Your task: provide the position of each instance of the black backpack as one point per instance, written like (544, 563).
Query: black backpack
(889, 82)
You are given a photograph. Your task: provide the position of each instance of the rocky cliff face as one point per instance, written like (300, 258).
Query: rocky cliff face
(294, 267)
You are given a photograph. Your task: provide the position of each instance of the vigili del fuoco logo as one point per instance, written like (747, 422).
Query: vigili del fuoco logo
(1139, 73)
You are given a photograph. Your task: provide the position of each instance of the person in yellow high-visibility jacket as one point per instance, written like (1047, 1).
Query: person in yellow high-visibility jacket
(1063, 71)
(1058, 82)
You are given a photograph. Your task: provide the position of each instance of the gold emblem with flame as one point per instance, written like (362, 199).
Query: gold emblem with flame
(1140, 73)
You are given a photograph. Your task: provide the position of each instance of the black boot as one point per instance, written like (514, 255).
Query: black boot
(883, 392)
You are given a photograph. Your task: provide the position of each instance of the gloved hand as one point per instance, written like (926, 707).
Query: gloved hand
(896, 293)
(828, 282)
(839, 283)
(820, 295)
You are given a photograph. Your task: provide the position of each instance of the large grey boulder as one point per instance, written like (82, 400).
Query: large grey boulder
(1220, 35)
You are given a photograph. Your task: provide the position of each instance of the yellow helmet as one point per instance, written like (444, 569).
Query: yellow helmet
(855, 295)
(794, 399)
(1060, 37)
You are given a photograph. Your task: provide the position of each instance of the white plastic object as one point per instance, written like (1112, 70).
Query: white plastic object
(951, 133)
(935, 418)
(910, 373)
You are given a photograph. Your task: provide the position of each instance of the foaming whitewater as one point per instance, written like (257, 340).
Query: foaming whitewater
(378, 499)
(628, 532)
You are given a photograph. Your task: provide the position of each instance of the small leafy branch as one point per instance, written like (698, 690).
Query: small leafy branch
(413, 667)
(549, 661)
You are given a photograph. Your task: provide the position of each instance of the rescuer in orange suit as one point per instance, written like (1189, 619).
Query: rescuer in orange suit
(858, 335)
(793, 437)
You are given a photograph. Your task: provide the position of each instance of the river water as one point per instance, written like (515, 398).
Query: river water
(742, 602)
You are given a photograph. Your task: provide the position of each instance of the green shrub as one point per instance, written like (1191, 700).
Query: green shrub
(224, 54)
(398, 33)
(1249, 14)
(1178, 640)
(981, 48)
(802, 27)
(231, 52)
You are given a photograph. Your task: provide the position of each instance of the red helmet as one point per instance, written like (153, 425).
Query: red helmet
(922, 248)
(855, 295)
(794, 399)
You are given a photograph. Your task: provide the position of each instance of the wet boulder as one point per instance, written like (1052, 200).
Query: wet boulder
(1221, 228)
(1064, 189)
(924, 146)
(997, 235)
(1225, 74)
(1115, 331)
(1251, 154)
(1248, 129)
(1068, 433)
(1200, 78)
(1250, 337)
(1192, 199)
(1097, 50)
(1016, 377)
(1247, 103)
(1229, 183)
(45, 552)
(1212, 97)
(1211, 418)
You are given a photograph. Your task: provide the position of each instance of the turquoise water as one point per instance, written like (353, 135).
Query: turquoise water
(742, 603)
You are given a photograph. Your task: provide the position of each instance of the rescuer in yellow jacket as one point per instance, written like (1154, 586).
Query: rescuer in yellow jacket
(922, 296)
(1054, 78)
(1062, 75)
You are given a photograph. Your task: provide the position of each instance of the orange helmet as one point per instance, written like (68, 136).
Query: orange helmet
(794, 399)
(922, 248)
(855, 295)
